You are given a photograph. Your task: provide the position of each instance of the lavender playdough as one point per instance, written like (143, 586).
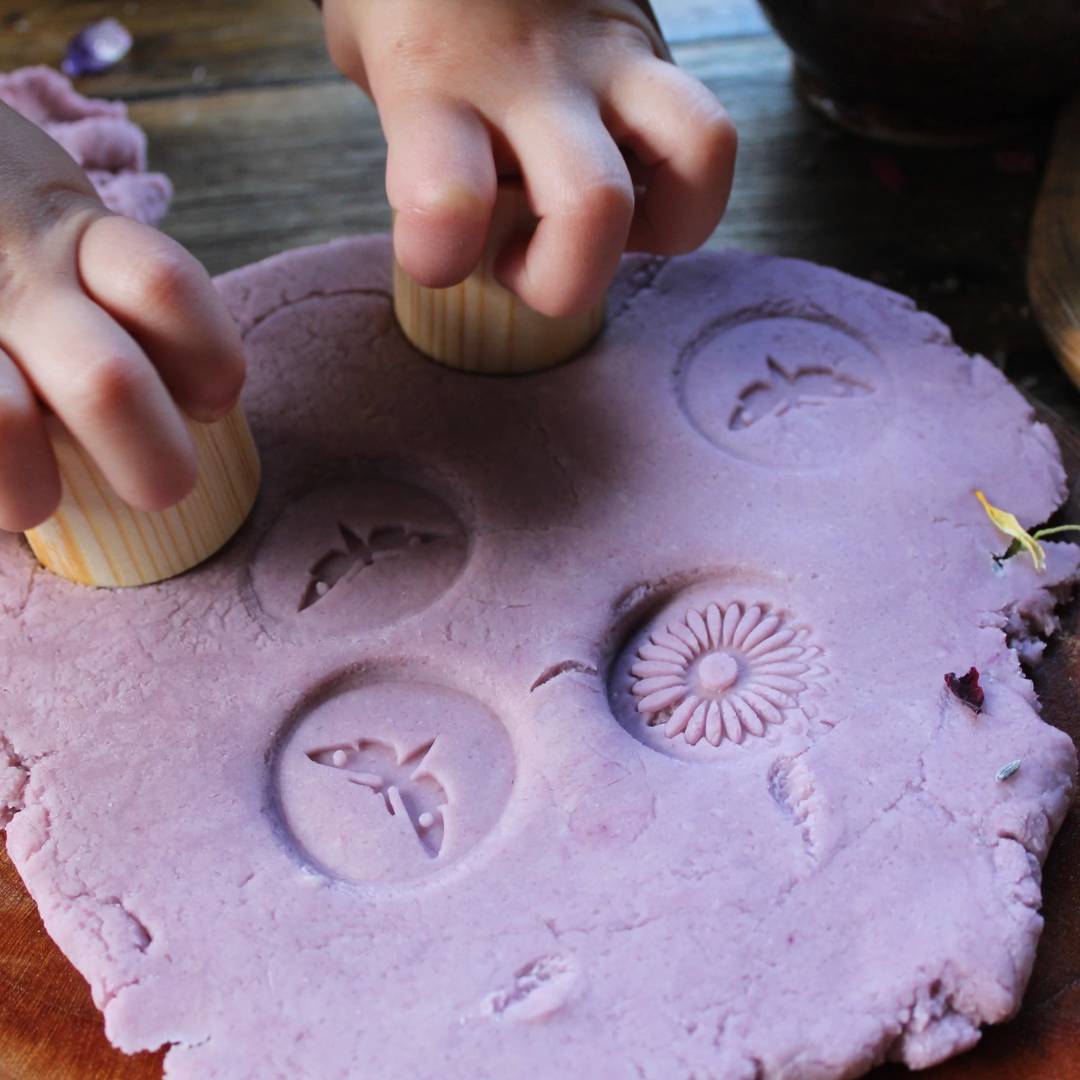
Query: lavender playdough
(98, 135)
(585, 724)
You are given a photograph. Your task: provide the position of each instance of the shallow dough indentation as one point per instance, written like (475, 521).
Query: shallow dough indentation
(357, 555)
(713, 668)
(787, 392)
(392, 780)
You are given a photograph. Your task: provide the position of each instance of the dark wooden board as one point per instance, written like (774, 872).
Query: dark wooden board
(257, 171)
(181, 46)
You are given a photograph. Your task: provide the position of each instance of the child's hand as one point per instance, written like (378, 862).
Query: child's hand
(570, 94)
(110, 324)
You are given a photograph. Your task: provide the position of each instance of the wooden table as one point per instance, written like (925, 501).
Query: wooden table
(269, 148)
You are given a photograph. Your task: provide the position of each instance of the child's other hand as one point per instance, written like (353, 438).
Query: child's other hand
(110, 324)
(570, 94)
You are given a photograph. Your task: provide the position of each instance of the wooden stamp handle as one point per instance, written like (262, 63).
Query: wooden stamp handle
(95, 538)
(480, 326)
(1053, 265)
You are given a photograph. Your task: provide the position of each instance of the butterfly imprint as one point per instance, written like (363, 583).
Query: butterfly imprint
(405, 785)
(385, 541)
(784, 390)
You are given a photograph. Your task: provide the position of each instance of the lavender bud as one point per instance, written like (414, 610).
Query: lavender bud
(96, 48)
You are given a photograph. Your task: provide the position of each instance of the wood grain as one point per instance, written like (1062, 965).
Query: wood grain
(187, 47)
(260, 170)
(95, 538)
(49, 1028)
(478, 325)
(1053, 267)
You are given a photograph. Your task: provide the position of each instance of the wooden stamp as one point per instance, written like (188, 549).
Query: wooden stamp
(480, 326)
(1053, 265)
(95, 538)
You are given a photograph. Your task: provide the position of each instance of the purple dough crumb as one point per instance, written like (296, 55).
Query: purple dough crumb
(96, 48)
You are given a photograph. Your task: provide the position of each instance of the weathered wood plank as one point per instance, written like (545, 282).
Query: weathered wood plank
(258, 171)
(49, 1028)
(189, 47)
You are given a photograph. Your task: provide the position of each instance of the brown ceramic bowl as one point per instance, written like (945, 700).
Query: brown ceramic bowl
(931, 71)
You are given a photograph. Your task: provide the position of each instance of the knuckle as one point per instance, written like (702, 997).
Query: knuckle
(18, 413)
(448, 205)
(108, 384)
(221, 387)
(719, 135)
(561, 298)
(711, 126)
(605, 200)
(165, 279)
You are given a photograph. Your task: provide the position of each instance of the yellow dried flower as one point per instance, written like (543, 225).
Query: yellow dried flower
(1008, 524)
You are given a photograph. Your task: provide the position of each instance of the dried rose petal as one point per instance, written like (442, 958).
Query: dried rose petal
(967, 689)
(96, 48)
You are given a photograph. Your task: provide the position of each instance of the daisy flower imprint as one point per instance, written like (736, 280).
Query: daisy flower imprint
(722, 673)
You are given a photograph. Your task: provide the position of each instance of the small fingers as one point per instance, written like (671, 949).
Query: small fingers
(687, 142)
(164, 298)
(101, 385)
(579, 187)
(29, 480)
(440, 179)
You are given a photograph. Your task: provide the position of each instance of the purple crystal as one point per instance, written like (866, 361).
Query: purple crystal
(96, 48)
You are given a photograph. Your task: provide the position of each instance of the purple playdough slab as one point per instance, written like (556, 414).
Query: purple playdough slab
(591, 723)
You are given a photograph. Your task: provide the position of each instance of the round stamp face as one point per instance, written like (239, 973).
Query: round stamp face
(393, 780)
(716, 668)
(357, 555)
(787, 392)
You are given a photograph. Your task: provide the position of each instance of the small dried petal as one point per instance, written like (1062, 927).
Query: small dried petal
(1007, 770)
(96, 48)
(1008, 524)
(967, 689)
